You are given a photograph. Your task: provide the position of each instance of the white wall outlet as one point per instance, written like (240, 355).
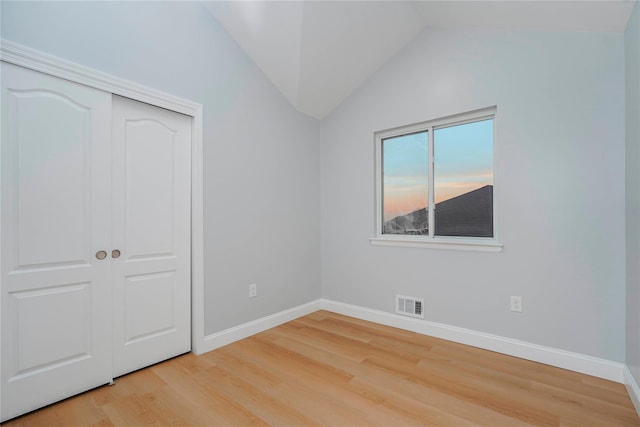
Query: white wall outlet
(253, 290)
(516, 304)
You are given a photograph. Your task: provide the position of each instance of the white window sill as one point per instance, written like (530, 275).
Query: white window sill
(449, 244)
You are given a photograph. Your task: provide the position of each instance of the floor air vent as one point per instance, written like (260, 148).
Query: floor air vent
(410, 306)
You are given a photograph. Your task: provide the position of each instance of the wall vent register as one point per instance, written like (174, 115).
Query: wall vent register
(410, 306)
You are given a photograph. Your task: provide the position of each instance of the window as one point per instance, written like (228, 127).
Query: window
(435, 182)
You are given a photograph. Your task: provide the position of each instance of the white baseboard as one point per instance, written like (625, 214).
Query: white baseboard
(577, 362)
(222, 338)
(632, 388)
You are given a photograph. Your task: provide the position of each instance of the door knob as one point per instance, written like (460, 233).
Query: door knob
(115, 253)
(101, 255)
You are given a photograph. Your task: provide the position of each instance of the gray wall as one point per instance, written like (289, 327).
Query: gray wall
(560, 187)
(261, 157)
(560, 184)
(632, 56)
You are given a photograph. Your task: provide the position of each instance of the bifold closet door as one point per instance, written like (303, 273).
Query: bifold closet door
(152, 234)
(56, 318)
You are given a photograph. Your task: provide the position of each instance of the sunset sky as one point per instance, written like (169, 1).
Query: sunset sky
(463, 162)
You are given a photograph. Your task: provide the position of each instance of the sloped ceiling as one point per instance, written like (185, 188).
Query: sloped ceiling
(318, 52)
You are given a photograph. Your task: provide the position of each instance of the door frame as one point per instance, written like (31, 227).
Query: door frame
(33, 59)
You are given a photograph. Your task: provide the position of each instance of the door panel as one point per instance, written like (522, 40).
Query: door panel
(46, 156)
(149, 197)
(55, 185)
(38, 331)
(152, 229)
(146, 320)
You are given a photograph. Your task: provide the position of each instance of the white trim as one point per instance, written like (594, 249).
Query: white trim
(577, 362)
(632, 388)
(431, 186)
(459, 245)
(446, 121)
(40, 61)
(46, 63)
(236, 333)
(496, 179)
(197, 235)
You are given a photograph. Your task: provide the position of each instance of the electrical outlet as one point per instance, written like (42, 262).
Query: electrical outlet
(253, 290)
(516, 304)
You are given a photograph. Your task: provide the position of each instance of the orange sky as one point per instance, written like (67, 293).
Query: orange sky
(402, 199)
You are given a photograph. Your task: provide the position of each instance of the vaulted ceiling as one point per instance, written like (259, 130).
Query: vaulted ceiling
(318, 52)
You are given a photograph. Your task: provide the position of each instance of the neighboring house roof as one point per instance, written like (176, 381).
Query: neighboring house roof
(470, 214)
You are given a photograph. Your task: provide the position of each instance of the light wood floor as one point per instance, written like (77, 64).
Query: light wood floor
(328, 369)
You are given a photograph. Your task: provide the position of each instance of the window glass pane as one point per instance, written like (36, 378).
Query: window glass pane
(463, 177)
(405, 173)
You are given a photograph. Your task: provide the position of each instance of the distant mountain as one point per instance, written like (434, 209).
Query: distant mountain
(468, 215)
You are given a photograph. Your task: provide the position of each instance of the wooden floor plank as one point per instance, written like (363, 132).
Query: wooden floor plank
(332, 370)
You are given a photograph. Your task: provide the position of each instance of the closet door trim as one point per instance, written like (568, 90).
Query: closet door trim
(58, 67)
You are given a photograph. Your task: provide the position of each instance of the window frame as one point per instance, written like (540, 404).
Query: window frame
(485, 244)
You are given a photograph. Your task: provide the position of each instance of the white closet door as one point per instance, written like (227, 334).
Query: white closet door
(55, 214)
(152, 231)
